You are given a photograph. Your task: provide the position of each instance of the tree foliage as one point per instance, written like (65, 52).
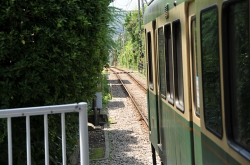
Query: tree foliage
(130, 50)
(51, 52)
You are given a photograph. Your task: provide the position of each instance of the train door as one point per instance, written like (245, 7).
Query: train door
(161, 87)
(173, 80)
(194, 78)
(152, 87)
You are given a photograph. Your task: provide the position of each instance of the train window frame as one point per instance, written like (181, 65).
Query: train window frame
(212, 130)
(169, 63)
(230, 72)
(150, 60)
(178, 65)
(194, 58)
(161, 62)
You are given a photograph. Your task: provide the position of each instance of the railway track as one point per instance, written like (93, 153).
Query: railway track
(141, 85)
(127, 81)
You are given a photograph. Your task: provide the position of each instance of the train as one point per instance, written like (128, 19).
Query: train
(198, 81)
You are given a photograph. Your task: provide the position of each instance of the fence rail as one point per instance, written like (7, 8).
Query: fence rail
(81, 108)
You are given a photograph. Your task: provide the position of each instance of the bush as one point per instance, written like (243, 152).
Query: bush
(51, 52)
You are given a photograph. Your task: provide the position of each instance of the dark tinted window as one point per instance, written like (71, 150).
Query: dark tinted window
(239, 66)
(178, 72)
(161, 62)
(211, 70)
(169, 63)
(150, 62)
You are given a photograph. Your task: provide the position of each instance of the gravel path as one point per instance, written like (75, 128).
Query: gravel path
(128, 137)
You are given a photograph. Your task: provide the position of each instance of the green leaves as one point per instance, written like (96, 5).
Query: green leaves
(55, 40)
(129, 51)
(51, 52)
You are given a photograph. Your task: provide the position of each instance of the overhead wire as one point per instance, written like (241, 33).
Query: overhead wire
(126, 6)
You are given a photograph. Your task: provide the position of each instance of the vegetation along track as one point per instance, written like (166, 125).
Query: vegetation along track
(135, 91)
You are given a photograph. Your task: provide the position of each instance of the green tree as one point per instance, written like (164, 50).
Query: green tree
(51, 52)
(130, 52)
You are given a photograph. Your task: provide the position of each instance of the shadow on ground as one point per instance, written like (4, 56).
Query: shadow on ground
(122, 144)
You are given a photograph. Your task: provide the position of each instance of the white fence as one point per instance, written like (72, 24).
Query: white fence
(81, 108)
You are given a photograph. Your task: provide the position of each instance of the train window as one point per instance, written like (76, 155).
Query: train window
(150, 62)
(211, 70)
(196, 98)
(178, 72)
(161, 62)
(169, 63)
(239, 71)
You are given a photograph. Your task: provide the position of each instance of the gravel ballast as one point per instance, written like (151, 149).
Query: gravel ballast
(128, 139)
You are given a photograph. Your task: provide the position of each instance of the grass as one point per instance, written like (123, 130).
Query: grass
(98, 153)
(110, 120)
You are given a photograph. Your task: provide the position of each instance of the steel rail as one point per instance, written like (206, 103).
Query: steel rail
(132, 98)
(133, 79)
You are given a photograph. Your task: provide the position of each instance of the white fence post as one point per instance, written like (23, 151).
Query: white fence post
(28, 140)
(83, 134)
(9, 141)
(63, 139)
(46, 139)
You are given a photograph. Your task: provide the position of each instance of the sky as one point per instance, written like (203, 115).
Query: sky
(126, 4)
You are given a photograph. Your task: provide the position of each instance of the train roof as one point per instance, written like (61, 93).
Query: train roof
(157, 8)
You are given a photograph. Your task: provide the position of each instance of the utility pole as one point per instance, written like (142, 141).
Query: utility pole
(140, 41)
(139, 15)
(143, 62)
(142, 4)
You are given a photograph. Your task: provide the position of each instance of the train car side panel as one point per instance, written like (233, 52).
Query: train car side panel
(176, 132)
(153, 120)
(194, 80)
(197, 144)
(198, 80)
(218, 142)
(157, 8)
(214, 154)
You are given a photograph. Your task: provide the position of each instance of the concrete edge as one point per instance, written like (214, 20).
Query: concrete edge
(106, 144)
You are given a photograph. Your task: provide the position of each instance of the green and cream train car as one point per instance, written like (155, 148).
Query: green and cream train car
(198, 74)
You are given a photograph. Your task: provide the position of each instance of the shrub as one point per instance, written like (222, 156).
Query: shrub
(51, 52)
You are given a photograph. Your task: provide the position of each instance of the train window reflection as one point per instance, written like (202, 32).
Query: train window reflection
(211, 70)
(161, 62)
(240, 71)
(178, 72)
(169, 63)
